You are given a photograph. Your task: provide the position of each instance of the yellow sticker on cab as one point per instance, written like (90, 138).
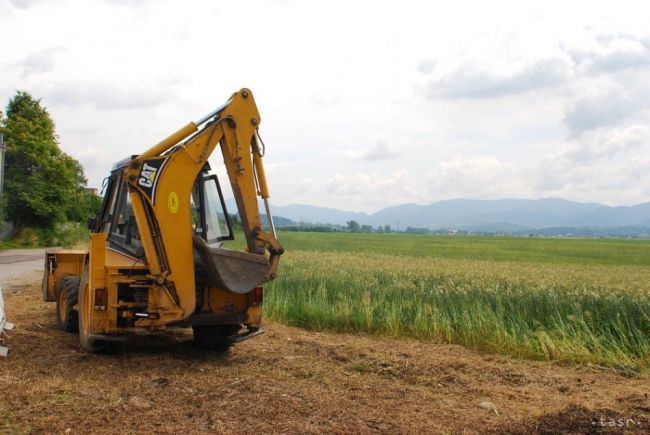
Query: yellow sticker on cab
(172, 202)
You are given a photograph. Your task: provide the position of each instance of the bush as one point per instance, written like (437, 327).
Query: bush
(27, 237)
(67, 235)
(70, 235)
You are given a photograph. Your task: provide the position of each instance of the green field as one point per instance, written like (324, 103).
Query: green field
(560, 299)
(529, 249)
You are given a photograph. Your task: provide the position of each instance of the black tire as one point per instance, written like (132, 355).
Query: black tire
(87, 341)
(214, 337)
(67, 318)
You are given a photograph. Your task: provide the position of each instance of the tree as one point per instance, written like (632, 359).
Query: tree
(85, 203)
(366, 228)
(2, 197)
(387, 229)
(44, 186)
(353, 226)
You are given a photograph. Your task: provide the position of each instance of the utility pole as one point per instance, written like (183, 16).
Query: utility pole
(3, 148)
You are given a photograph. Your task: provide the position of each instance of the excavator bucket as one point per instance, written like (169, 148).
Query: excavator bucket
(237, 272)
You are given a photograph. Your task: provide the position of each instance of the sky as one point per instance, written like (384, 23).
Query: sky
(364, 104)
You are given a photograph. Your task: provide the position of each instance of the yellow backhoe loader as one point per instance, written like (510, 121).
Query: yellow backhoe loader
(156, 257)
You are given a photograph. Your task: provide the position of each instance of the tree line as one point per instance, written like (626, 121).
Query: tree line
(44, 188)
(354, 227)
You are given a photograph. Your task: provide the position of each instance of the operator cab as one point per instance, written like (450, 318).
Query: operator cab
(210, 219)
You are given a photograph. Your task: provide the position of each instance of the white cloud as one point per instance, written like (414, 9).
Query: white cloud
(373, 188)
(39, 62)
(613, 89)
(128, 3)
(603, 109)
(426, 66)
(380, 150)
(611, 182)
(477, 82)
(609, 163)
(607, 143)
(548, 99)
(615, 52)
(107, 95)
(476, 177)
(25, 4)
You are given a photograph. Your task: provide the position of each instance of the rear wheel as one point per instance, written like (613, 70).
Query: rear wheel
(214, 337)
(67, 318)
(86, 339)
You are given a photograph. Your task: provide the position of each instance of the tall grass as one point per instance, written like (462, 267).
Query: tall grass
(580, 313)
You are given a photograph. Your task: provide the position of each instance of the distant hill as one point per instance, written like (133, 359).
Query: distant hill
(500, 215)
(299, 213)
(278, 221)
(465, 213)
(503, 215)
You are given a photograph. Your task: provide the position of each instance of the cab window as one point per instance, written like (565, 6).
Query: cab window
(217, 221)
(124, 229)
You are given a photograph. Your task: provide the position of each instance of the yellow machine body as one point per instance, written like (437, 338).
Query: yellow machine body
(157, 263)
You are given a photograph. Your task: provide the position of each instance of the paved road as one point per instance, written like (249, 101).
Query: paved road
(20, 267)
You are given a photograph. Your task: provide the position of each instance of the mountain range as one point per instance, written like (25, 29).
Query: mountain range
(478, 215)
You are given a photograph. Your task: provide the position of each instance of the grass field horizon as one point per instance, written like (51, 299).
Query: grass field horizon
(574, 300)
(496, 248)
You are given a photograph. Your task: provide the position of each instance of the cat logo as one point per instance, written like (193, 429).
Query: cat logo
(147, 175)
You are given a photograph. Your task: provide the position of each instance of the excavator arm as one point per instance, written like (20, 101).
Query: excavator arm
(160, 184)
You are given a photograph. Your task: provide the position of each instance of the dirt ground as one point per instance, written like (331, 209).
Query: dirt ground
(293, 381)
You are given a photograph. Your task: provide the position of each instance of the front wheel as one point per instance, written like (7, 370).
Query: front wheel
(67, 318)
(214, 337)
